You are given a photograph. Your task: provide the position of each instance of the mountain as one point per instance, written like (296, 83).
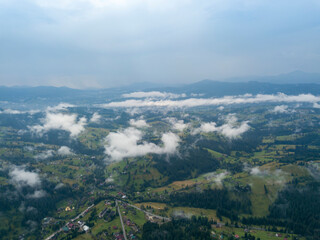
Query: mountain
(295, 77)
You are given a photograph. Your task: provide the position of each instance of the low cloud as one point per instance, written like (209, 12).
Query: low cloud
(60, 107)
(133, 111)
(316, 105)
(15, 112)
(228, 100)
(37, 194)
(217, 178)
(128, 143)
(96, 118)
(178, 125)
(20, 177)
(276, 176)
(257, 172)
(231, 129)
(153, 94)
(281, 109)
(61, 121)
(44, 155)
(139, 123)
(197, 94)
(64, 151)
(58, 186)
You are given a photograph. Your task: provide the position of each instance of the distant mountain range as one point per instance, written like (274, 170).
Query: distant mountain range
(292, 83)
(287, 78)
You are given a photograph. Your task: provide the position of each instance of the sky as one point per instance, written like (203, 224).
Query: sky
(107, 43)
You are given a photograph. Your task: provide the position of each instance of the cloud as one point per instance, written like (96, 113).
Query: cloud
(15, 112)
(257, 172)
(60, 107)
(231, 129)
(280, 109)
(228, 100)
(128, 143)
(61, 121)
(276, 176)
(316, 105)
(96, 118)
(64, 150)
(44, 155)
(58, 186)
(216, 177)
(20, 177)
(37, 194)
(178, 125)
(153, 94)
(133, 111)
(140, 123)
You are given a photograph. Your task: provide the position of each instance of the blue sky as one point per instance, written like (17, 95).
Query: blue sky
(105, 43)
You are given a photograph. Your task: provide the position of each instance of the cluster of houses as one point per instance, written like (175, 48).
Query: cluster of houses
(73, 226)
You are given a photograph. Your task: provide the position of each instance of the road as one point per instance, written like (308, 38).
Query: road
(123, 229)
(151, 214)
(72, 220)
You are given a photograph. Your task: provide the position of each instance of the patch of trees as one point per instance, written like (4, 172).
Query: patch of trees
(296, 209)
(191, 164)
(219, 199)
(183, 229)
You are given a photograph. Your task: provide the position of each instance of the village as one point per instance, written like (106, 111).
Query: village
(108, 212)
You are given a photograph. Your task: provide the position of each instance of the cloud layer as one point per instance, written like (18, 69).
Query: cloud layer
(153, 94)
(228, 100)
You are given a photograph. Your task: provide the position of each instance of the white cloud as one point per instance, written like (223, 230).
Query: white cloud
(58, 186)
(96, 118)
(231, 129)
(280, 109)
(178, 125)
(228, 100)
(216, 177)
(133, 111)
(256, 171)
(37, 194)
(220, 108)
(197, 94)
(20, 177)
(64, 150)
(14, 112)
(139, 123)
(127, 143)
(60, 107)
(153, 94)
(44, 155)
(316, 105)
(61, 121)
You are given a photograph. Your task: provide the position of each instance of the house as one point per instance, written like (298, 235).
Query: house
(68, 209)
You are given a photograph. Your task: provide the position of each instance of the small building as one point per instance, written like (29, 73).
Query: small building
(68, 209)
